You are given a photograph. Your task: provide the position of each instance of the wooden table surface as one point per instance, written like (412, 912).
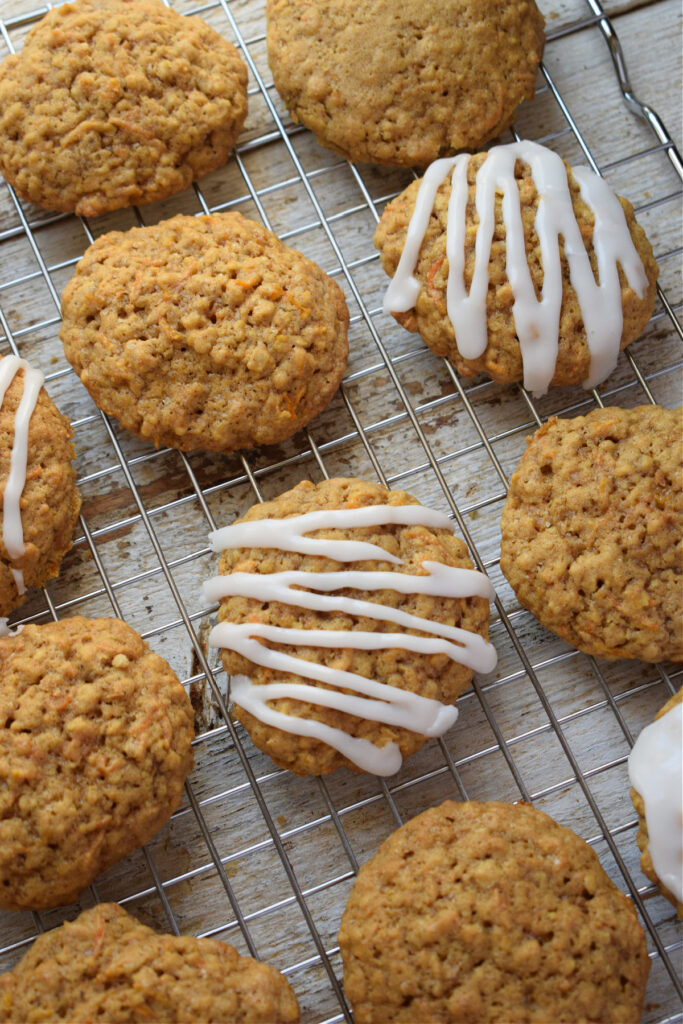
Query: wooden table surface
(256, 856)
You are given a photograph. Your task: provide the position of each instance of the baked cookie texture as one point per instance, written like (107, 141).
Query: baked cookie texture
(404, 83)
(502, 356)
(481, 912)
(107, 966)
(592, 532)
(95, 734)
(643, 837)
(49, 503)
(116, 102)
(205, 332)
(433, 676)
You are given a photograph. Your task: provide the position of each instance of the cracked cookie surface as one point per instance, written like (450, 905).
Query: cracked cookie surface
(404, 83)
(106, 965)
(95, 734)
(592, 532)
(116, 102)
(488, 912)
(205, 332)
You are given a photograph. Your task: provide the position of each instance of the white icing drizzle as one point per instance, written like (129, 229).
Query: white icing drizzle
(655, 769)
(369, 699)
(12, 529)
(384, 761)
(5, 629)
(271, 533)
(536, 322)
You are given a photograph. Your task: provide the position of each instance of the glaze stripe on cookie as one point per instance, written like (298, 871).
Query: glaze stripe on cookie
(536, 323)
(655, 769)
(12, 530)
(382, 703)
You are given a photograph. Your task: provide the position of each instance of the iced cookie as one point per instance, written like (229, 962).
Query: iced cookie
(514, 264)
(40, 502)
(655, 769)
(351, 619)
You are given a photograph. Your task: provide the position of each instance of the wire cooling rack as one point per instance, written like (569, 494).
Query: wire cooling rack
(254, 855)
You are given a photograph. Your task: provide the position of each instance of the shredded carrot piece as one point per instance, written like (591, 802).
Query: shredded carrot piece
(64, 704)
(291, 403)
(99, 935)
(145, 1011)
(298, 305)
(433, 291)
(133, 129)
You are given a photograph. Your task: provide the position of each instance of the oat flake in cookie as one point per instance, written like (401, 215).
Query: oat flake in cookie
(115, 102)
(478, 913)
(404, 81)
(592, 532)
(205, 332)
(514, 264)
(106, 966)
(95, 734)
(40, 502)
(351, 619)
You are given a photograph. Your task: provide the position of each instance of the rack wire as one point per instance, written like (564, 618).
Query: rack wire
(254, 855)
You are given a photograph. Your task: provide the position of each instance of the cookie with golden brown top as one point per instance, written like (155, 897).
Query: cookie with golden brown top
(487, 912)
(39, 512)
(656, 772)
(115, 102)
(205, 332)
(404, 83)
(95, 734)
(350, 619)
(545, 287)
(105, 965)
(592, 532)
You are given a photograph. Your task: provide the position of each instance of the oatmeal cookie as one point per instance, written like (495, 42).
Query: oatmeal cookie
(487, 912)
(592, 532)
(38, 517)
(404, 83)
(563, 237)
(205, 332)
(106, 966)
(95, 734)
(656, 772)
(350, 619)
(115, 102)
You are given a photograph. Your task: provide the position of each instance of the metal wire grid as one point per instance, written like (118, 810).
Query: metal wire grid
(254, 855)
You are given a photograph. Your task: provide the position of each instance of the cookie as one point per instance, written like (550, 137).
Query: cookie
(350, 619)
(592, 532)
(106, 966)
(205, 332)
(95, 734)
(509, 288)
(404, 83)
(115, 102)
(655, 768)
(40, 502)
(488, 912)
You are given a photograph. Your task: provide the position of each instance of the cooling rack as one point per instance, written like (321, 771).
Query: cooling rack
(254, 855)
